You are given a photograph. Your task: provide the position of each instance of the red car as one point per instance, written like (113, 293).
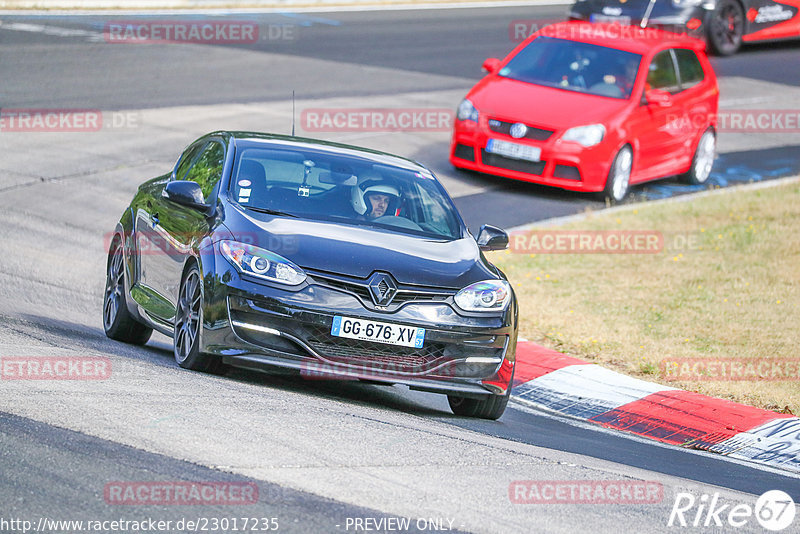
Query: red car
(592, 107)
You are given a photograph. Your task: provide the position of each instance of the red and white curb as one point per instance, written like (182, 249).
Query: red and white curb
(548, 379)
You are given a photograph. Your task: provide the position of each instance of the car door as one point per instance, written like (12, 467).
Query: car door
(174, 230)
(696, 100)
(653, 125)
(150, 238)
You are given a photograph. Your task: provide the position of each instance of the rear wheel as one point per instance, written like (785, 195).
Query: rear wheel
(118, 322)
(703, 159)
(726, 27)
(619, 176)
(189, 325)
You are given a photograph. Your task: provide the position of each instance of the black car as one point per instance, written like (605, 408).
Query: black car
(272, 252)
(724, 24)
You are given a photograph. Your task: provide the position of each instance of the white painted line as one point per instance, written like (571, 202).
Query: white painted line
(51, 30)
(586, 390)
(111, 8)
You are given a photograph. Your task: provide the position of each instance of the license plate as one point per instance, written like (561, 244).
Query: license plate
(513, 150)
(610, 19)
(391, 334)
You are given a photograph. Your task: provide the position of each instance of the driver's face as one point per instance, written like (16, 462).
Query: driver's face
(379, 204)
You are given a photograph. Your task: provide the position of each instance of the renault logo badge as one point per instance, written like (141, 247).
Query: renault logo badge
(382, 288)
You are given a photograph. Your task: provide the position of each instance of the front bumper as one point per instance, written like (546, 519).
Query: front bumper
(257, 326)
(566, 165)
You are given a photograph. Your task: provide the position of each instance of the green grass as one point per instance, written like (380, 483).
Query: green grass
(726, 285)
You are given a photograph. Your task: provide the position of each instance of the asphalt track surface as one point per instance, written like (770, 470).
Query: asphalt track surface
(320, 452)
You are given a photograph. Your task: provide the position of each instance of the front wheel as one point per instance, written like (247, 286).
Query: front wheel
(189, 326)
(726, 27)
(703, 159)
(619, 176)
(491, 407)
(118, 322)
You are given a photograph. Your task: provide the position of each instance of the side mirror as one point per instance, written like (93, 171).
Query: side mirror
(491, 65)
(186, 194)
(492, 238)
(657, 97)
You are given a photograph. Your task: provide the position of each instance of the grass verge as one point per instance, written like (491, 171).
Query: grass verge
(723, 291)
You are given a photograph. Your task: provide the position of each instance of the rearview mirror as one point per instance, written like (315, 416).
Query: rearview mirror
(492, 238)
(491, 65)
(657, 97)
(186, 194)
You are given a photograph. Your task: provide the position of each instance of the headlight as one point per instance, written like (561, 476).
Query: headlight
(261, 263)
(489, 295)
(466, 111)
(585, 135)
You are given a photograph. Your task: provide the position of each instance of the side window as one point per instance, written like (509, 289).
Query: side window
(662, 73)
(186, 160)
(207, 170)
(689, 67)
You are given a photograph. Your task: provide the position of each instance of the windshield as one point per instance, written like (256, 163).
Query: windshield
(574, 66)
(319, 185)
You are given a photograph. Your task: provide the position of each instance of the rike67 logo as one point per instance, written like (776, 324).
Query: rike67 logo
(774, 511)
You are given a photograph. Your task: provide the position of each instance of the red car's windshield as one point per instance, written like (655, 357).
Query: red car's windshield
(575, 66)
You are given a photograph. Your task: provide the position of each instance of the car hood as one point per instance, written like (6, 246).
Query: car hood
(537, 105)
(359, 251)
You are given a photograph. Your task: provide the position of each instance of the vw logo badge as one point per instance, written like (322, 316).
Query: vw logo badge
(518, 130)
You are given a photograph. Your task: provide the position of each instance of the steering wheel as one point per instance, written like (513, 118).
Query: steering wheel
(402, 222)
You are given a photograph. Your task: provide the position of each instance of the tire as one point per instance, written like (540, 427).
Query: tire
(726, 27)
(703, 159)
(118, 322)
(619, 176)
(189, 327)
(491, 407)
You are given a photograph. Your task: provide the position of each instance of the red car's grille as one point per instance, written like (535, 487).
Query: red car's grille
(504, 127)
(495, 160)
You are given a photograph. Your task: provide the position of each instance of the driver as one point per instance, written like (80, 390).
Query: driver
(375, 199)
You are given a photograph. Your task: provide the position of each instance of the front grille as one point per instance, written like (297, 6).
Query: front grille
(465, 152)
(519, 165)
(504, 127)
(360, 289)
(378, 356)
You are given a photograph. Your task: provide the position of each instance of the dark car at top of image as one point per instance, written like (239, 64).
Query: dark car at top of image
(724, 24)
(280, 253)
(585, 107)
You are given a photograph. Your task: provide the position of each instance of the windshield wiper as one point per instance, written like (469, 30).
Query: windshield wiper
(270, 212)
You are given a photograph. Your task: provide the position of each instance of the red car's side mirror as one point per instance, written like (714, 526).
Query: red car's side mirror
(491, 65)
(657, 97)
